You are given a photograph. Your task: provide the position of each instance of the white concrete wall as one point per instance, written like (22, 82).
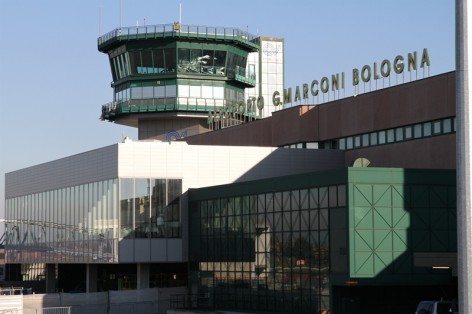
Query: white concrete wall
(201, 166)
(11, 304)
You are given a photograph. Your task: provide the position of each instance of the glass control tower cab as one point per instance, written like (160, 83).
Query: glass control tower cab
(168, 78)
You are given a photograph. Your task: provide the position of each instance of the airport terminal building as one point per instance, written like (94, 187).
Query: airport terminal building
(306, 209)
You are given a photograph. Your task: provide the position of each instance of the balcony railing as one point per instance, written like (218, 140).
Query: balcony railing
(188, 31)
(112, 109)
(242, 75)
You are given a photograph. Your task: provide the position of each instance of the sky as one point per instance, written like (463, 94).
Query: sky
(53, 80)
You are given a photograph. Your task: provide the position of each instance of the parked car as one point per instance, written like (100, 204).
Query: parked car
(436, 307)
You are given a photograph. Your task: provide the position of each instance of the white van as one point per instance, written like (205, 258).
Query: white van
(435, 307)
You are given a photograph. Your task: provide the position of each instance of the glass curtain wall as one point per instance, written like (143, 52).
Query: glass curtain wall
(201, 61)
(267, 252)
(77, 224)
(150, 208)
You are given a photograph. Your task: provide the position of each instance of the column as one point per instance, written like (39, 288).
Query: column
(143, 276)
(91, 278)
(463, 152)
(50, 278)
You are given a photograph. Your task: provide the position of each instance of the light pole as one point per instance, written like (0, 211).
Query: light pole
(463, 152)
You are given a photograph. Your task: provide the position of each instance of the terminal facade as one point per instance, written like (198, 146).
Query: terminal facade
(312, 208)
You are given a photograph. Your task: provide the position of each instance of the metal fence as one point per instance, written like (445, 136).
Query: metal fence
(54, 310)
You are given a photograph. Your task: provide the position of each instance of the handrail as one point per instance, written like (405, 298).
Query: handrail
(162, 30)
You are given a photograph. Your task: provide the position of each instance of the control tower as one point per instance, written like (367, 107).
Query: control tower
(167, 78)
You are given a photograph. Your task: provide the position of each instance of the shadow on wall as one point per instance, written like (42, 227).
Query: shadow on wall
(388, 223)
(289, 161)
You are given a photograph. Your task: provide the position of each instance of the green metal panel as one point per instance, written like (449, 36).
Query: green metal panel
(394, 213)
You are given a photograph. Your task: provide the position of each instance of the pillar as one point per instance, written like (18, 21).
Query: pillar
(50, 278)
(463, 152)
(91, 278)
(142, 276)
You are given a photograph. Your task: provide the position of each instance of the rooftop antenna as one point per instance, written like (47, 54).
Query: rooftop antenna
(100, 20)
(180, 13)
(121, 13)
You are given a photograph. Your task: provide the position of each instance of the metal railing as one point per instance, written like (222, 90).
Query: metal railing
(190, 301)
(14, 291)
(189, 31)
(243, 75)
(112, 109)
(54, 310)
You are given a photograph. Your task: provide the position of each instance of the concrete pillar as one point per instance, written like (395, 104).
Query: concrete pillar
(463, 151)
(143, 276)
(91, 278)
(50, 278)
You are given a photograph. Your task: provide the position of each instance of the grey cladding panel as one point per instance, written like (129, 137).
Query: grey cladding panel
(95, 165)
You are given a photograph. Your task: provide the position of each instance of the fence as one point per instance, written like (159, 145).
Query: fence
(144, 301)
(54, 310)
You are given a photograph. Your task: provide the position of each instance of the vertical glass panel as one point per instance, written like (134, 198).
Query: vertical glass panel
(158, 56)
(349, 143)
(408, 132)
(365, 140)
(171, 91)
(207, 62)
(399, 134)
(382, 137)
(126, 207)
(436, 127)
(141, 205)
(447, 125)
(417, 131)
(390, 136)
(373, 138)
(220, 62)
(172, 215)
(170, 60)
(158, 202)
(427, 129)
(342, 143)
(184, 59)
(357, 141)
(135, 60)
(146, 63)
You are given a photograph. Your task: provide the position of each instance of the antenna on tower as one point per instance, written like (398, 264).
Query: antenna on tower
(180, 13)
(100, 20)
(121, 13)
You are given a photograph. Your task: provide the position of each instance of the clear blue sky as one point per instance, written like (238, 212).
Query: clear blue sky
(53, 80)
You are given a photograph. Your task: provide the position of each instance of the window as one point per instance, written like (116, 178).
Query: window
(408, 132)
(342, 143)
(417, 131)
(365, 140)
(382, 138)
(357, 141)
(146, 63)
(447, 126)
(158, 56)
(373, 138)
(399, 134)
(312, 145)
(170, 60)
(427, 129)
(390, 136)
(436, 127)
(349, 143)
